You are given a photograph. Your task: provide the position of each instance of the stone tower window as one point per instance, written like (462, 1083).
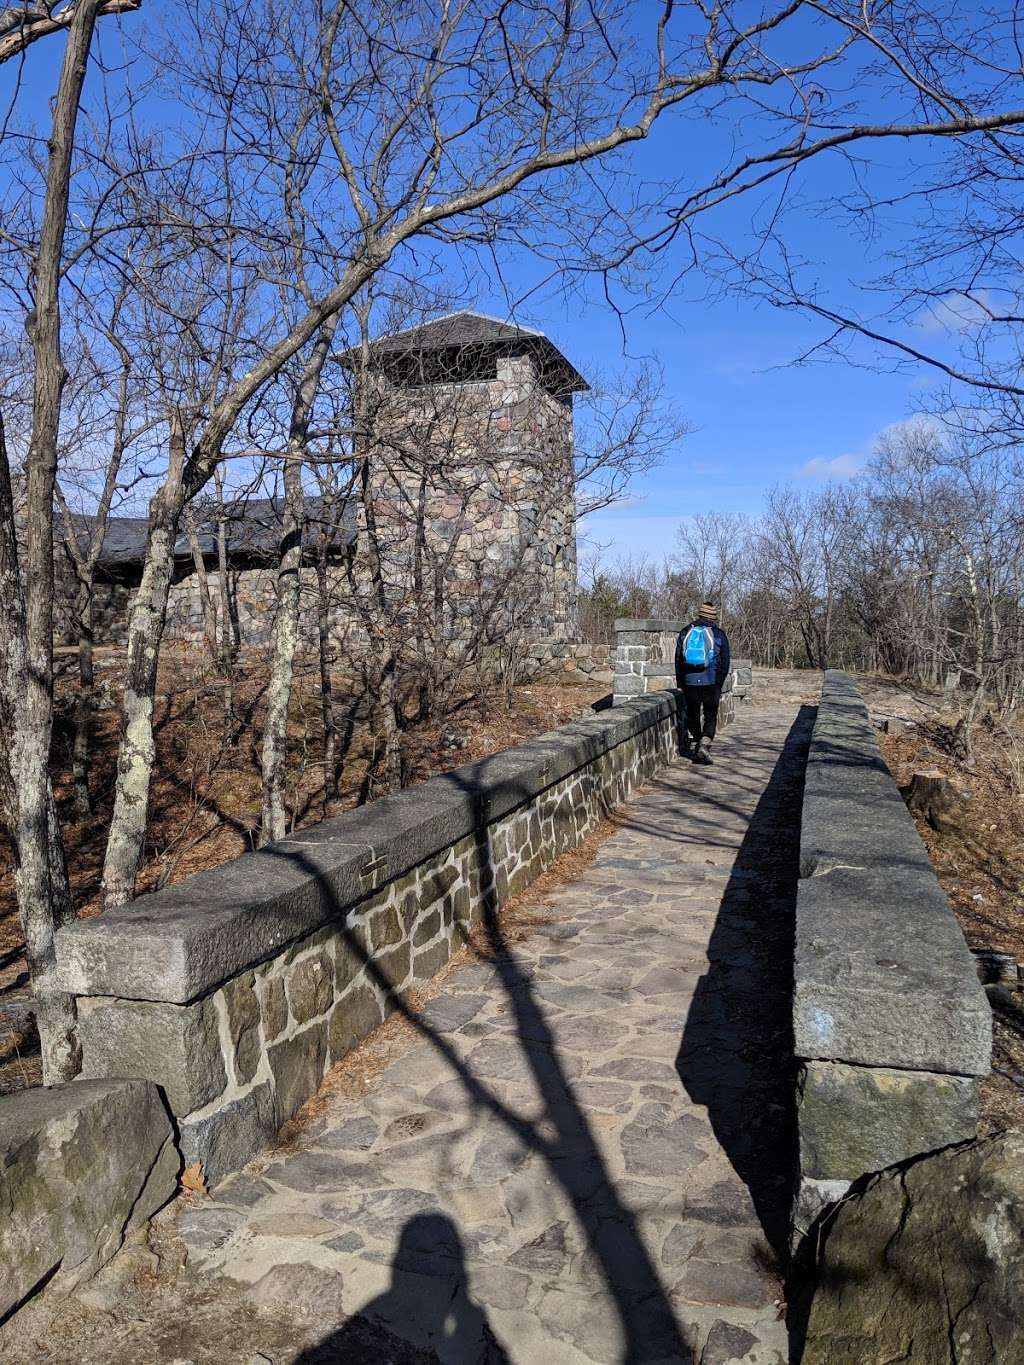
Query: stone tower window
(463, 365)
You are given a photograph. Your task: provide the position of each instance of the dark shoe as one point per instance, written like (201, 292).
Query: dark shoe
(702, 755)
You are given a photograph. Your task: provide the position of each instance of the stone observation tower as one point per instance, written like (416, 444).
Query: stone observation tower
(466, 426)
(468, 423)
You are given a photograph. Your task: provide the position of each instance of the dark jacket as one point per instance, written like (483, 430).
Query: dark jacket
(723, 659)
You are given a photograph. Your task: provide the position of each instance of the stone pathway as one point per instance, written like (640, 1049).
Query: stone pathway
(584, 1158)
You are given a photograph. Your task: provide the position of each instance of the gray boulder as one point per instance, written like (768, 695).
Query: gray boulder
(926, 1265)
(81, 1167)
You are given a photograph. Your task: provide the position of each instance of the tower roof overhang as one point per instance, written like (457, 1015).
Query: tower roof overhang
(444, 342)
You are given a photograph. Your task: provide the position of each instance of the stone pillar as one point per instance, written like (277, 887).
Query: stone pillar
(645, 662)
(743, 679)
(644, 656)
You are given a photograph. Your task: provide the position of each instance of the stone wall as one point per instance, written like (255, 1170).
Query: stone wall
(473, 488)
(110, 601)
(472, 494)
(236, 989)
(891, 1025)
(541, 642)
(82, 1166)
(645, 662)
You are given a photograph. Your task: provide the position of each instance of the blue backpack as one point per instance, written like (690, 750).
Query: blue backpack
(699, 647)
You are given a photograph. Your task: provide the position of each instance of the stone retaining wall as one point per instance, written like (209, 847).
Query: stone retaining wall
(82, 1166)
(891, 1025)
(236, 989)
(645, 652)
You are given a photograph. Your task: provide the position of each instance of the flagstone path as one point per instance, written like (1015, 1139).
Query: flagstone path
(584, 1158)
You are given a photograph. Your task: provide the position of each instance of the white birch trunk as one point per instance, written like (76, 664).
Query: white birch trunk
(289, 580)
(146, 619)
(43, 893)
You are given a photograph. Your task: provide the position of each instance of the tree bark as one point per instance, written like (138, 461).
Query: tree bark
(387, 731)
(227, 639)
(289, 580)
(933, 797)
(83, 705)
(127, 835)
(85, 571)
(205, 598)
(43, 892)
(330, 743)
(44, 861)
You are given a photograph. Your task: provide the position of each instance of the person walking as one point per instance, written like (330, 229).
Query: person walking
(703, 663)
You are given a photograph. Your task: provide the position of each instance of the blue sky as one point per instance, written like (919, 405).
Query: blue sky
(755, 418)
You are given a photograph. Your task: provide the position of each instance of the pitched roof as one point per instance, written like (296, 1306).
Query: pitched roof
(253, 529)
(464, 328)
(471, 331)
(123, 542)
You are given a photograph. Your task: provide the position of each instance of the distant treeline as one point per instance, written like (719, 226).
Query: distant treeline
(915, 569)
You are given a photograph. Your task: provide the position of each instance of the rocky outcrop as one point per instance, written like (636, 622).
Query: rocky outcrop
(81, 1167)
(926, 1265)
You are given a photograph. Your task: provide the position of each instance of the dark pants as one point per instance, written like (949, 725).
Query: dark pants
(701, 711)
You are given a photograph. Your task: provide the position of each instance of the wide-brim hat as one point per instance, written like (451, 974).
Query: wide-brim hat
(708, 612)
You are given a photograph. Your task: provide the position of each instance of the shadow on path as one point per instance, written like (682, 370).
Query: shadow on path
(736, 1055)
(429, 1295)
(561, 1136)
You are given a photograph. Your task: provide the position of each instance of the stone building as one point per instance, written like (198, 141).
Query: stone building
(465, 432)
(469, 429)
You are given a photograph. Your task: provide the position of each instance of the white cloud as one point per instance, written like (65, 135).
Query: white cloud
(846, 466)
(824, 468)
(956, 313)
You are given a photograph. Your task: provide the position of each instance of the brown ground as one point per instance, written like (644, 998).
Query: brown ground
(206, 794)
(981, 868)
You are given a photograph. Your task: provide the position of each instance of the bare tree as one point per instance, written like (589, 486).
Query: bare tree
(286, 622)
(27, 623)
(712, 550)
(373, 101)
(335, 144)
(107, 424)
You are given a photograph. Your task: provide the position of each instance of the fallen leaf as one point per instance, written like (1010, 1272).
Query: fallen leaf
(192, 1178)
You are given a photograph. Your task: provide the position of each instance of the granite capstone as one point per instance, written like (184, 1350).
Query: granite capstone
(182, 941)
(330, 941)
(891, 1026)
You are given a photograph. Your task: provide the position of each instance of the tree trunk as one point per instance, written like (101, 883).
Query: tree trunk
(85, 570)
(43, 893)
(386, 733)
(84, 701)
(227, 639)
(279, 687)
(205, 597)
(289, 581)
(933, 797)
(146, 619)
(39, 853)
(330, 746)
